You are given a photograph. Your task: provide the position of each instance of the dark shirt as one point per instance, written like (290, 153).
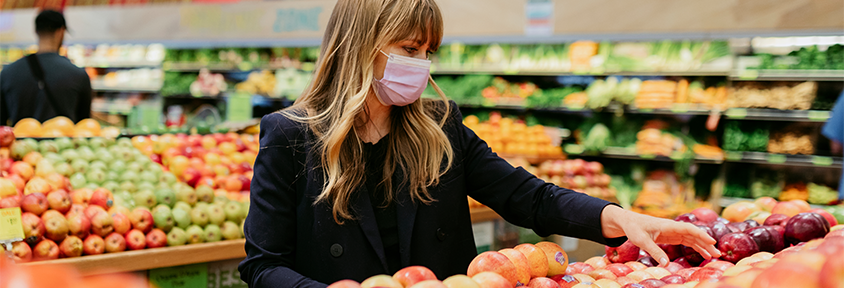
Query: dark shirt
(385, 213)
(21, 98)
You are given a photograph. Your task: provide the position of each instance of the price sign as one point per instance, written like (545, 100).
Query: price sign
(737, 113)
(511, 71)
(680, 108)
(733, 155)
(11, 227)
(677, 156)
(573, 149)
(822, 160)
(575, 108)
(647, 156)
(816, 115)
(195, 275)
(749, 74)
(239, 107)
(776, 158)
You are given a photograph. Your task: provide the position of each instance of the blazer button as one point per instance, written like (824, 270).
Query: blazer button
(441, 234)
(336, 250)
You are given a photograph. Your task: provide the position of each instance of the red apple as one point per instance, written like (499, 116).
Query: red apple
(101, 197)
(81, 196)
(687, 273)
(688, 218)
(735, 246)
(705, 215)
(78, 225)
(565, 281)
(141, 220)
(493, 262)
(536, 259)
(45, 250)
(542, 282)
(624, 253)
(121, 223)
(22, 252)
(673, 251)
(136, 240)
(93, 245)
(71, 247)
(35, 203)
(345, 284)
(76, 209)
(489, 279)
(804, 227)
(691, 256)
(673, 267)
(413, 274)
(93, 210)
(580, 268)
(648, 261)
(114, 243)
(522, 265)
(624, 280)
(557, 259)
(191, 176)
(619, 269)
(652, 283)
(704, 274)
(56, 228)
(156, 238)
(673, 279)
(718, 230)
(720, 265)
(102, 224)
(33, 228)
(832, 272)
(829, 218)
(767, 238)
(636, 266)
(59, 200)
(245, 182)
(7, 136)
(683, 262)
(602, 274)
(11, 201)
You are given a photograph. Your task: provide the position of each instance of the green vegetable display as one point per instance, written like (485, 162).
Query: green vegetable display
(821, 195)
(740, 137)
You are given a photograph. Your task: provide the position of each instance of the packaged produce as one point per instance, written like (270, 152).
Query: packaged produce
(781, 96)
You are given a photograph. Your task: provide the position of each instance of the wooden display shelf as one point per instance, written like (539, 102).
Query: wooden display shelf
(483, 214)
(146, 259)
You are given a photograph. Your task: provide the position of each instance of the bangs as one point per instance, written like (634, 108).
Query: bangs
(421, 21)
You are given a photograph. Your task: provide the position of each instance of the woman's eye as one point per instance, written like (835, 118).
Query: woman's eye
(410, 50)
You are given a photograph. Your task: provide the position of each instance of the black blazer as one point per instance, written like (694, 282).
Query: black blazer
(292, 243)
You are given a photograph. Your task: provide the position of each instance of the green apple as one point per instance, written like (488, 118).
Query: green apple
(117, 166)
(92, 186)
(54, 158)
(168, 177)
(234, 211)
(123, 194)
(79, 165)
(97, 142)
(182, 217)
(183, 206)
(31, 142)
(195, 234)
(166, 197)
(146, 186)
(126, 155)
(115, 152)
(245, 205)
(213, 233)
(64, 169)
(203, 205)
(98, 165)
(205, 193)
(95, 176)
(134, 167)
(148, 176)
(70, 155)
(124, 142)
(176, 237)
(216, 214)
(230, 230)
(64, 143)
(130, 176)
(145, 198)
(154, 168)
(128, 186)
(242, 223)
(80, 142)
(78, 180)
(85, 153)
(163, 185)
(186, 194)
(220, 200)
(19, 149)
(199, 215)
(109, 142)
(112, 176)
(47, 146)
(163, 217)
(111, 185)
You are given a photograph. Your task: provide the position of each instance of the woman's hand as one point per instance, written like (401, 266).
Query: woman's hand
(645, 231)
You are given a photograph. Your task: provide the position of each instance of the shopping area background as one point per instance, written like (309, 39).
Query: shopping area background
(716, 107)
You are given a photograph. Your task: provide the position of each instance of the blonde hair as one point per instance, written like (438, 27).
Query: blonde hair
(335, 103)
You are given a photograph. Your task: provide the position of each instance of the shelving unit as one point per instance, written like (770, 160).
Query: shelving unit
(727, 201)
(140, 89)
(528, 72)
(787, 75)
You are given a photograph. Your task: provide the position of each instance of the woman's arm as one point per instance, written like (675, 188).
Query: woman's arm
(270, 226)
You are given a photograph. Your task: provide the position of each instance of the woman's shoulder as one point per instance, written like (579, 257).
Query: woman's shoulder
(280, 128)
(438, 109)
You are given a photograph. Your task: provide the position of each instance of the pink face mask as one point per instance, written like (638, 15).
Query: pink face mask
(405, 78)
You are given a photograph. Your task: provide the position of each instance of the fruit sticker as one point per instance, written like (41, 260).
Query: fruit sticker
(560, 258)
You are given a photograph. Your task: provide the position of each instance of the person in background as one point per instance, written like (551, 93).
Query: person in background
(45, 85)
(834, 130)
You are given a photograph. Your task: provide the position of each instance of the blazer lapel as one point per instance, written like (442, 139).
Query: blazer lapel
(366, 215)
(406, 211)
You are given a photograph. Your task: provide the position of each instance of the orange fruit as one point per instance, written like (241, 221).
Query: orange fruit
(53, 133)
(27, 127)
(110, 132)
(90, 125)
(83, 133)
(61, 124)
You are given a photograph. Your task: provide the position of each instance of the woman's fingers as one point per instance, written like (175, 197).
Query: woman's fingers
(645, 242)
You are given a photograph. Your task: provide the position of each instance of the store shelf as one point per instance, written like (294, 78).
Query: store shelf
(787, 75)
(152, 258)
(118, 64)
(727, 201)
(527, 72)
(483, 214)
(141, 89)
(218, 67)
(778, 115)
(784, 159)
(630, 154)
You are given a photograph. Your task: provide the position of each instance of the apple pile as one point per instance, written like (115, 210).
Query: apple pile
(524, 265)
(514, 137)
(219, 161)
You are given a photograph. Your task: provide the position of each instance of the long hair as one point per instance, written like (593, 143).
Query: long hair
(335, 103)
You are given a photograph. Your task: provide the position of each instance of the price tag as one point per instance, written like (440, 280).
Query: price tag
(680, 108)
(737, 113)
(511, 71)
(822, 160)
(575, 108)
(11, 227)
(647, 156)
(310, 66)
(776, 158)
(749, 74)
(195, 275)
(573, 149)
(244, 66)
(733, 155)
(816, 115)
(166, 66)
(646, 110)
(239, 108)
(677, 156)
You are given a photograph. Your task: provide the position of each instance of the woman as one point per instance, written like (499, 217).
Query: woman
(360, 177)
